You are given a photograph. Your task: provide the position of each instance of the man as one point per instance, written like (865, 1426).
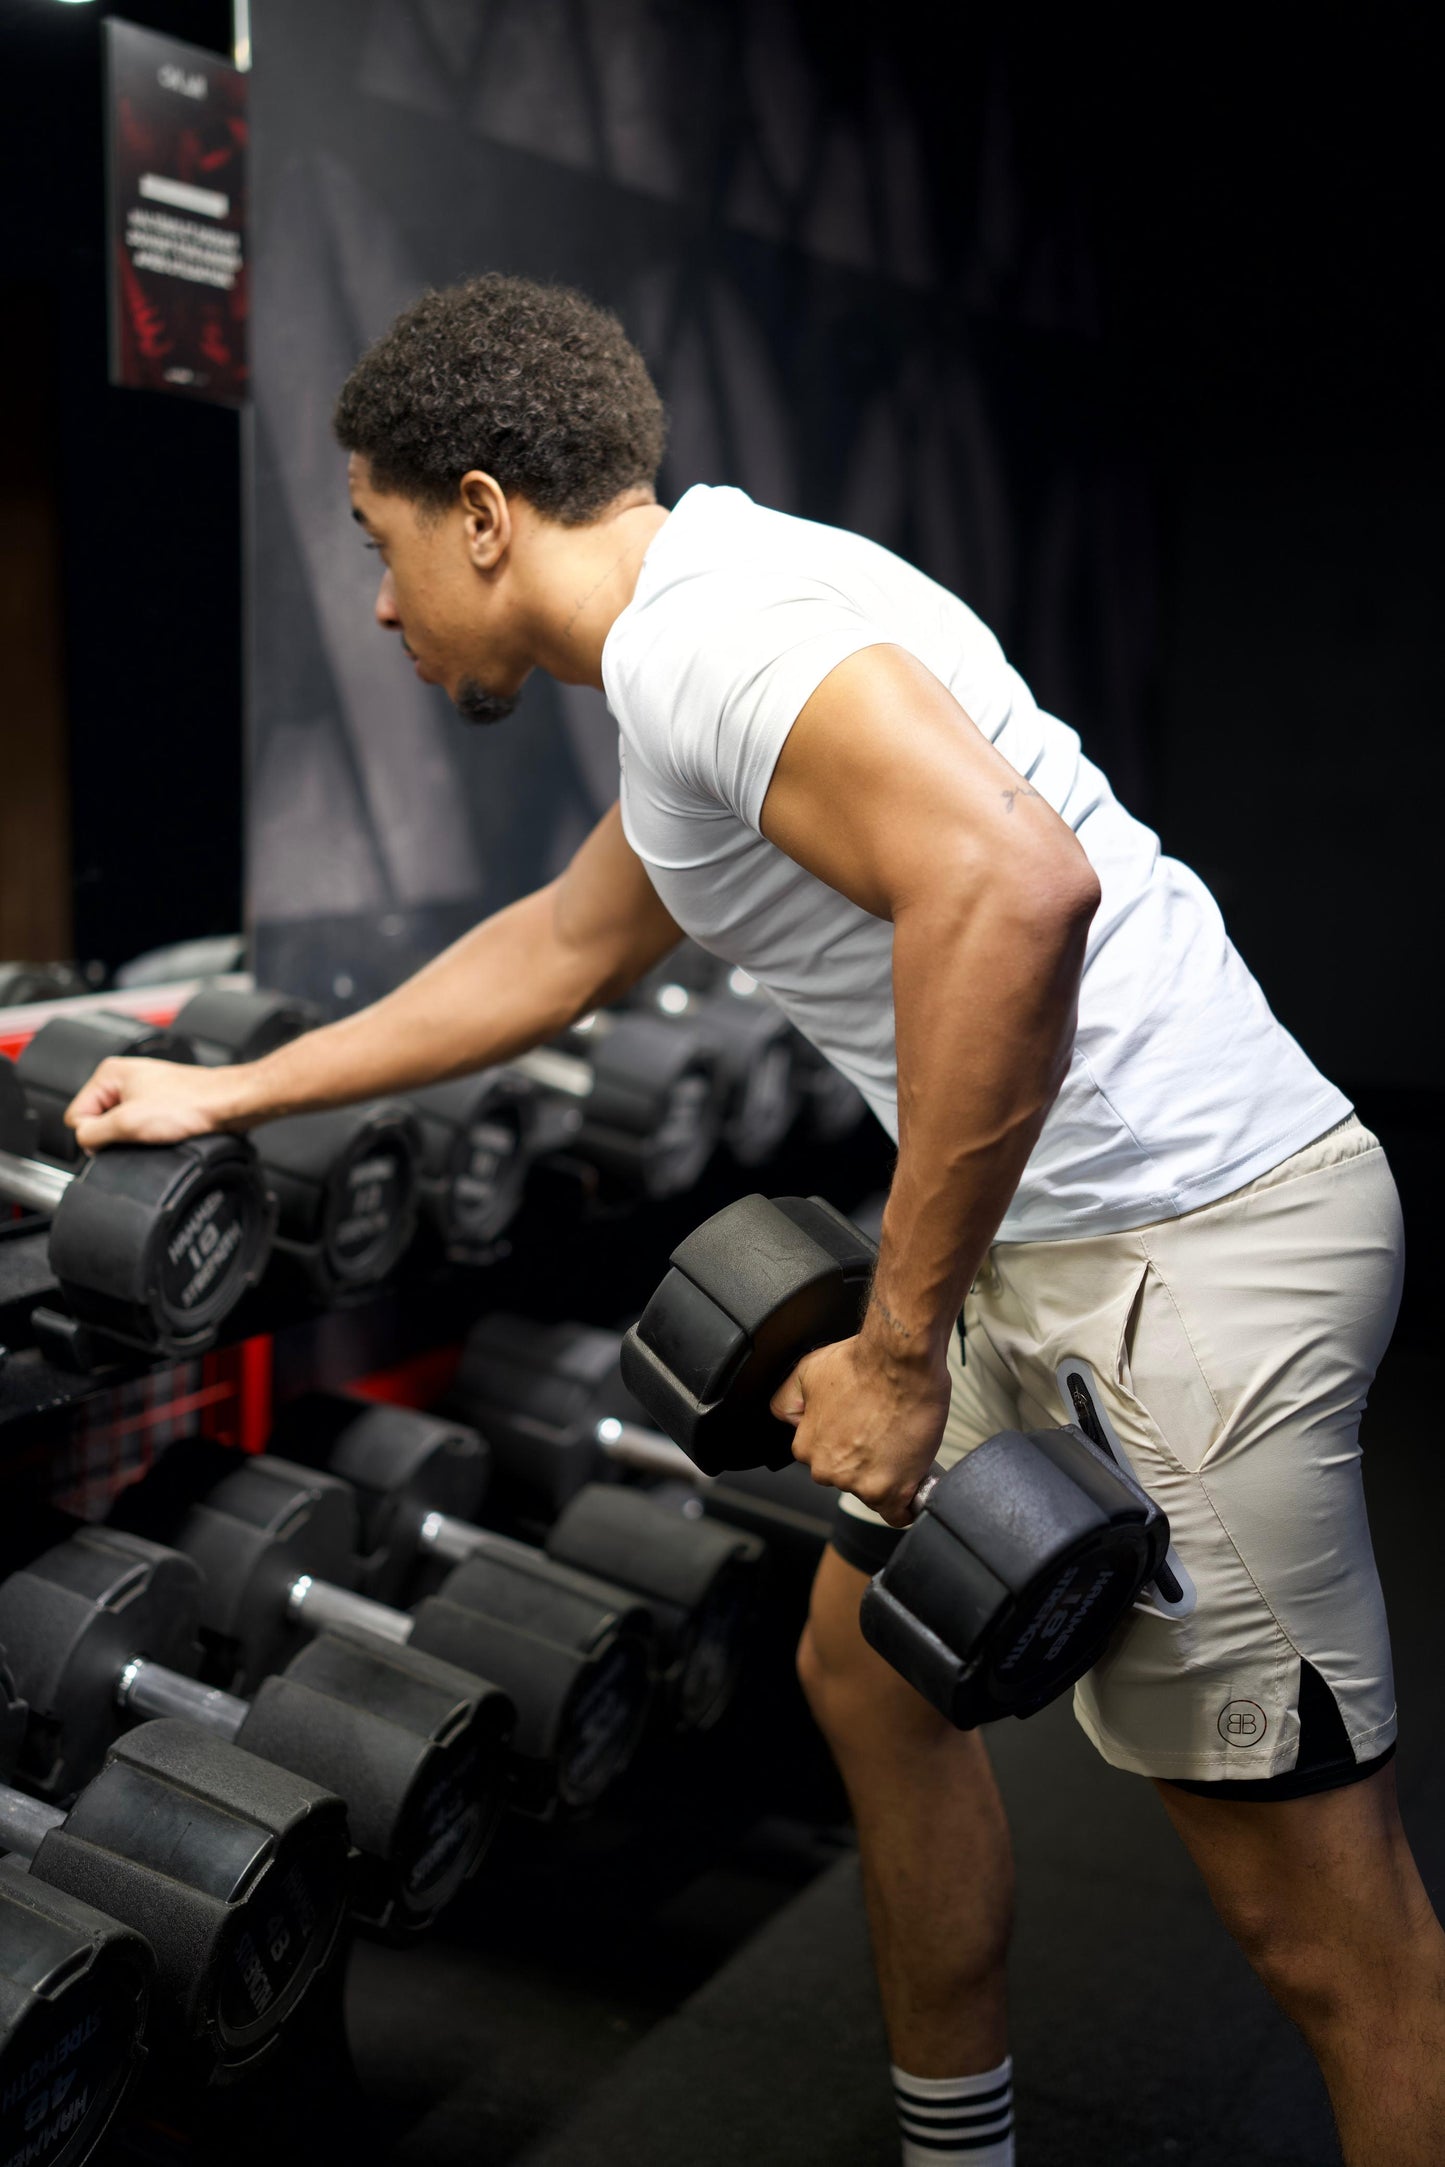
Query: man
(831, 776)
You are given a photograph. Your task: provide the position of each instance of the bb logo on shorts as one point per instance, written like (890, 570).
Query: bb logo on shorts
(1242, 1723)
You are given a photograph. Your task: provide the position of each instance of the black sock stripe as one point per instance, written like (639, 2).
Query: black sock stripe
(959, 2144)
(954, 2117)
(970, 2099)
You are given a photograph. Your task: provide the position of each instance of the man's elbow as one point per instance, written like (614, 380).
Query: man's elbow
(1055, 898)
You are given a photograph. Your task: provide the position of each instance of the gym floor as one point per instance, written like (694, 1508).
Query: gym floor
(618, 2015)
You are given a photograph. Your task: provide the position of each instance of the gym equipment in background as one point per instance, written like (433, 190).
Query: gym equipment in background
(151, 1245)
(103, 1630)
(277, 1547)
(420, 1482)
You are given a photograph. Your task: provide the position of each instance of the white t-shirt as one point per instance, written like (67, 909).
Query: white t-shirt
(1182, 1085)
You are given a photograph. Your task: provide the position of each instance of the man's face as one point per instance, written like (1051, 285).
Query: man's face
(443, 597)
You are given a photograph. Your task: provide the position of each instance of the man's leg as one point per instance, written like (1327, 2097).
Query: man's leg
(1324, 1898)
(934, 1844)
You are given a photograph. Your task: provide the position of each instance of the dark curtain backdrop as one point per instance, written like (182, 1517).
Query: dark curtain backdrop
(864, 300)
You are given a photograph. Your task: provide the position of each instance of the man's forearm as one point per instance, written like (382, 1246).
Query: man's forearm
(505, 986)
(985, 1007)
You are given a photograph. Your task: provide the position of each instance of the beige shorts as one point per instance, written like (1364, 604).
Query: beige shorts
(1231, 1349)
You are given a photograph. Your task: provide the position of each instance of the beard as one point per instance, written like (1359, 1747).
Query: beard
(474, 703)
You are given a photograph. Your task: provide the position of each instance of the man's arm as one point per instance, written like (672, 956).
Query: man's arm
(889, 792)
(512, 982)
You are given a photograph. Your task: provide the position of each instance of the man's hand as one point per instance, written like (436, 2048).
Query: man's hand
(153, 1102)
(866, 1423)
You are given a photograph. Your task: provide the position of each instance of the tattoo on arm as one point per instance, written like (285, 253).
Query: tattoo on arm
(894, 1324)
(1008, 796)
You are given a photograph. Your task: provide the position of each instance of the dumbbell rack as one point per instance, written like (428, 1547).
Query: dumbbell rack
(73, 1437)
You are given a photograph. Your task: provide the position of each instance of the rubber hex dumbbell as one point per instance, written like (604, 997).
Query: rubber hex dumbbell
(74, 1997)
(25, 984)
(477, 1133)
(64, 1054)
(759, 1052)
(154, 1245)
(75, 1991)
(277, 1543)
(420, 1482)
(347, 1186)
(551, 1403)
(345, 1182)
(644, 1098)
(233, 1870)
(1024, 1556)
(479, 1137)
(103, 1630)
(225, 1024)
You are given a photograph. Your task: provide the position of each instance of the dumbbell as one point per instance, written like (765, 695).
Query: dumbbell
(103, 1629)
(155, 1245)
(758, 1051)
(646, 1096)
(74, 1998)
(234, 1872)
(550, 1400)
(475, 1135)
(831, 1106)
(346, 1185)
(65, 1053)
(24, 984)
(75, 1991)
(345, 1182)
(1024, 1556)
(225, 1024)
(420, 1482)
(276, 1544)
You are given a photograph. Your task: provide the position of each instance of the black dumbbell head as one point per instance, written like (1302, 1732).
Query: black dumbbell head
(263, 1525)
(656, 1108)
(478, 1140)
(751, 1291)
(762, 1069)
(158, 1243)
(234, 1023)
(403, 1466)
(698, 1578)
(74, 1994)
(537, 1392)
(581, 1713)
(1012, 1581)
(65, 1053)
(416, 1747)
(71, 1622)
(346, 1186)
(234, 1871)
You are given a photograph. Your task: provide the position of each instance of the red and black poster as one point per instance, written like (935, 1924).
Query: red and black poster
(177, 173)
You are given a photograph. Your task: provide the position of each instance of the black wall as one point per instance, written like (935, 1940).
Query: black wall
(148, 504)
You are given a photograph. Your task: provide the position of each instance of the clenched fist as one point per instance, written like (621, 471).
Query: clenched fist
(865, 1422)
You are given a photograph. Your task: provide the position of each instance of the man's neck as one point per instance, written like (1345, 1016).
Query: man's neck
(589, 576)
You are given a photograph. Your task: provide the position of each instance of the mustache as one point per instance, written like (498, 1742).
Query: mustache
(475, 704)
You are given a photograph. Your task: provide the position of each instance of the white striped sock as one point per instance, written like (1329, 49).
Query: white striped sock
(957, 2121)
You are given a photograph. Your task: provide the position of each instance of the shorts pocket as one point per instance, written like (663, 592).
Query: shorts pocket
(1158, 1369)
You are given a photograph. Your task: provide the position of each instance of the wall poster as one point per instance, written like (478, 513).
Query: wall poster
(176, 171)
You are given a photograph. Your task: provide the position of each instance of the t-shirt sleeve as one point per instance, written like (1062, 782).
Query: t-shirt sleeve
(712, 686)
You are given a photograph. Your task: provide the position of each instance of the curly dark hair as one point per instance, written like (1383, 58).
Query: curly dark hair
(534, 384)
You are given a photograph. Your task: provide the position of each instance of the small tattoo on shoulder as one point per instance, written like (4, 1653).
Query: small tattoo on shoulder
(1008, 796)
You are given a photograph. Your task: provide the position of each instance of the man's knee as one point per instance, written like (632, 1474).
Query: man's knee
(851, 1691)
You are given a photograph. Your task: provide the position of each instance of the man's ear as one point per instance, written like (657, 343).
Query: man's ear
(487, 520)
